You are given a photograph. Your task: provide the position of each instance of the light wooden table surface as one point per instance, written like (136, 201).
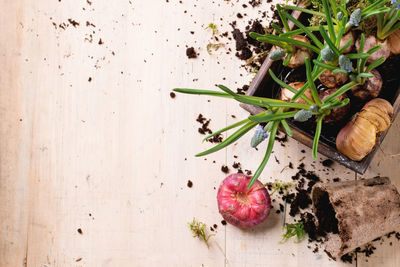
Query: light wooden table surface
(108, 156)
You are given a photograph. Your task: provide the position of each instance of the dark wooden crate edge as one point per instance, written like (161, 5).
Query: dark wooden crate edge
(360, 167)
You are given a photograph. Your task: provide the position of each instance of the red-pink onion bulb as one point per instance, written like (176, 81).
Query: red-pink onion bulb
(240, 206)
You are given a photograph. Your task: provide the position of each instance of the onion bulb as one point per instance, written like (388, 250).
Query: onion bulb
(300, 54)
(240, 206)
(394, 42)
(286, 94)
(332, 80)
(359, 136)
(336, 114)
(345, 39)
(370, 89)
(372, 41)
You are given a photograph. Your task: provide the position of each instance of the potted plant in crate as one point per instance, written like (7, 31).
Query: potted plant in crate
(341, 82)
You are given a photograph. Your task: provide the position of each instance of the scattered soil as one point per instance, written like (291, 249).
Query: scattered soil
(326, 215)
(189, 184)
(204, 124)
(243, 90)
(237, 166)
(282, 139)
(73, 22)
(327, 163)
(302, 200)
(205, 130)
(172, 95)
(225, 169)
(191, 53)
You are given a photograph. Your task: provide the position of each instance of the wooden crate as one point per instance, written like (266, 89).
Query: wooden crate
(259, 84)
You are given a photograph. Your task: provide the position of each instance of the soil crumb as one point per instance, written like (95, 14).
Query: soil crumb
(191, 53)
(205, 130)
(225, 169)
(327, 163)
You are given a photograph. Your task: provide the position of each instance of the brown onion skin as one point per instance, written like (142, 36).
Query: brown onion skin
(372, 41)
(394, 42)
(332, 80)
(286, 94)
(370, 89)
(240, 206)
(358, 137)
(347, 37)
(336, 114)
(299, 57)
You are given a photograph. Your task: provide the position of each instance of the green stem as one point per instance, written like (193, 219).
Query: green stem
(341, 91)
(314, 91)
(287, 128)
(329, 21)
(232, 138)
(304, 28)
(237, 124)
(305, 10)
(300, 92)
(300, 31)
(259, 118)
(330, 41)
(291, 89)
(283, 19)
(269, 38)
(316, 136)
(201, 92)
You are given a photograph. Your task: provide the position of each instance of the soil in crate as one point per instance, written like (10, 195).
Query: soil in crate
(390, 91)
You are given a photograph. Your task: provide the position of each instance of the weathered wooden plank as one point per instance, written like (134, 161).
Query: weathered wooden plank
(16, 136)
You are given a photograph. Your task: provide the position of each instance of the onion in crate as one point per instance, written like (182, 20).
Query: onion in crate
(370, 89)
(301, 53)
(286, 94)
(336, 114)
(359, 136)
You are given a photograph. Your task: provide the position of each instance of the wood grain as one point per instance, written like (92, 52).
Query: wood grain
(96, 155)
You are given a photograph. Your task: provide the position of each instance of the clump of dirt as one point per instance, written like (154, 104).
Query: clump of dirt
(327, 163)
(225, 169)
(204, 124)
(205, 130)
(326, 215)
(249, 49)
(237, 166)
(191, 53)
(242, 90)
(302, 200)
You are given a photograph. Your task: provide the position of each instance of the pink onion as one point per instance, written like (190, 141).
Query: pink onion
(240, 206)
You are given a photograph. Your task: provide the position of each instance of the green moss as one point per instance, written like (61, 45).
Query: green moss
(198, 230)
(293, 229)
